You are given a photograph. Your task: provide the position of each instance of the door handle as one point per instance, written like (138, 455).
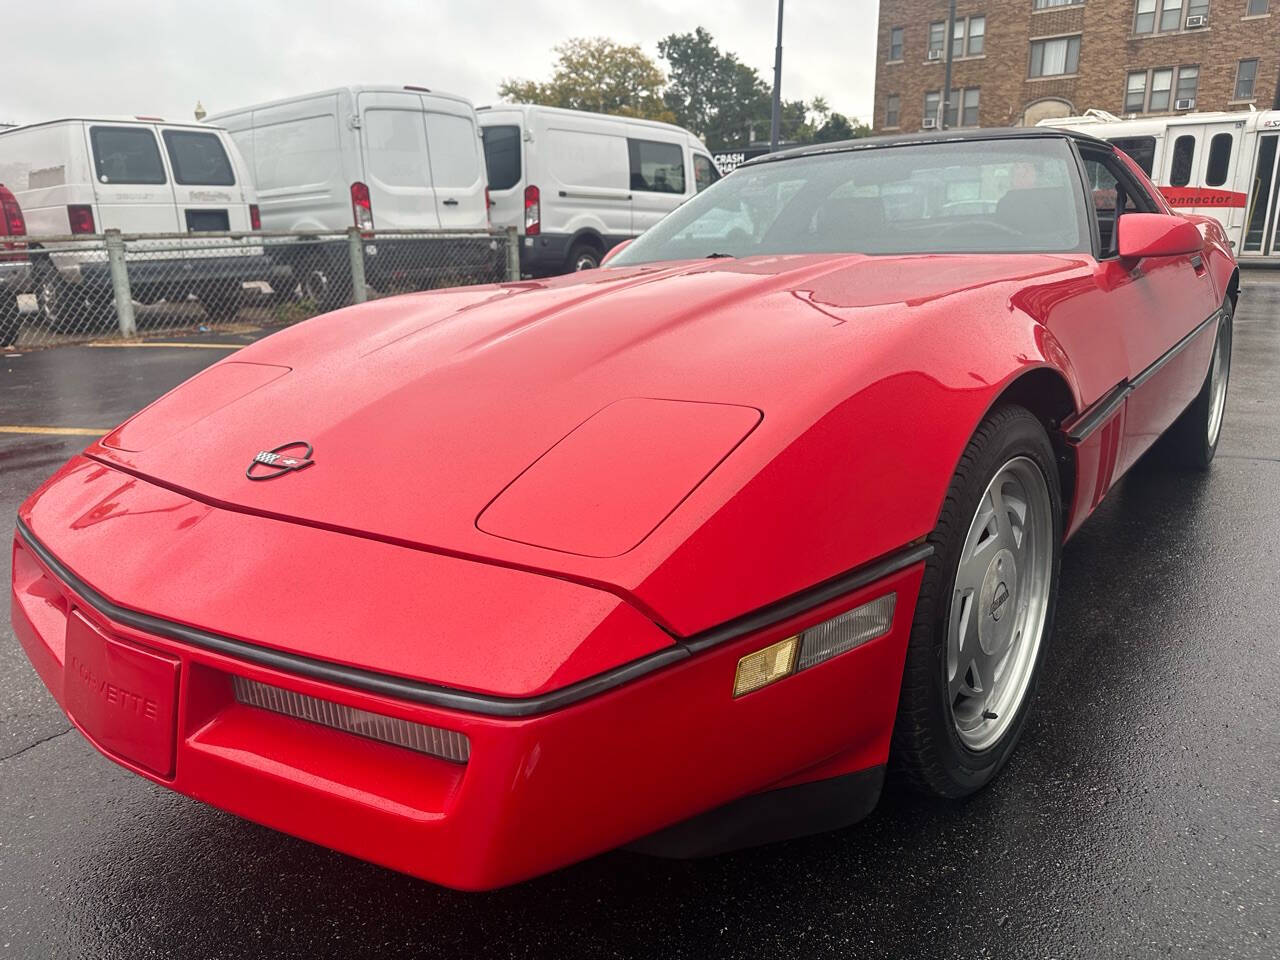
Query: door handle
(450, 203)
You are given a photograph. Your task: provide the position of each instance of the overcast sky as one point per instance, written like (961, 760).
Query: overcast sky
(159, 57)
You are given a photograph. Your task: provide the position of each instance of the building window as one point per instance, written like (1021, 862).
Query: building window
(1161, 84)
(1166, 16)
(967, 36)
(963, 107)
(1257, 8)
(1135, 94)
(932, 101)
(1188, 85)
(1184, 152)
(892, 110)
(1052, 58)
(1246, 74)
(937, 32)
(1046, 4)
(1148, 91)
(969, 117)
(895, 44)
(1219, 159)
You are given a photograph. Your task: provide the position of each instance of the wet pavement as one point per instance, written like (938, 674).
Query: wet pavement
(1139, 817)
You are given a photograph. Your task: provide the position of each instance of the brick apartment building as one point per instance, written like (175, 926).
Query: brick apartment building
(1019, 61)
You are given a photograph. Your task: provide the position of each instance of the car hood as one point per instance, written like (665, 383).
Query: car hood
(585, 427)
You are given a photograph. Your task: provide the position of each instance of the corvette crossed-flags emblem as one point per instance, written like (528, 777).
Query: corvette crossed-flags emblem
(269, 464)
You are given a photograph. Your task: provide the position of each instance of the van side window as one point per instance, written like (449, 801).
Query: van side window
(455, 150)
(126, 155)
(1184, 152)
(704, 172)
(1219, 159)
(1142, 150)
(198, 158)
(656, 167)
(502, 156)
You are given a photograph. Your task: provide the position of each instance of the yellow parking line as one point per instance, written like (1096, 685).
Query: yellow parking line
(176, 343)
(57, 431)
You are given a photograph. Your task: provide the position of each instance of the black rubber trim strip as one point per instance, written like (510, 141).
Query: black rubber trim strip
(416, 691)
(1100, 412)
(807, 599)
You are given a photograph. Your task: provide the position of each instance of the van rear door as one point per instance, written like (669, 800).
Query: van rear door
(457, 171)
(397, 165)
(131, 188)
(205, 186)
(504, 164)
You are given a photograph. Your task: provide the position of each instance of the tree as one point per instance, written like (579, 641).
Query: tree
(713, 93)
(829, 126)
(594, 73)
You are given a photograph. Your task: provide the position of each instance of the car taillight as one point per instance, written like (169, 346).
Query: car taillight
(361, 207)
(255, 217)
(81, 217)
(532, 211)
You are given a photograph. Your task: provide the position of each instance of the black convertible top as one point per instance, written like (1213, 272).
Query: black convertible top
(936, 136)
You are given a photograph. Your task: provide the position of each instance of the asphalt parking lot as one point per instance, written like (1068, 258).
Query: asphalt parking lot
(1140, 816)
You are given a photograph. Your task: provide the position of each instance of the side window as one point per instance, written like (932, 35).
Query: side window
(1142, 150)
(1219, 159)
(656, 167)
(198, 159)
(126, 155)
(1184, 153)
(1114, 194)
(704, 172)
(502, 156)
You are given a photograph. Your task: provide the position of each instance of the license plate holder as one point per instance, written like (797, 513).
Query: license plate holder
(123, 696)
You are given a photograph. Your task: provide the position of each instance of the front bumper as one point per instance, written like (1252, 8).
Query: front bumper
(538, 791)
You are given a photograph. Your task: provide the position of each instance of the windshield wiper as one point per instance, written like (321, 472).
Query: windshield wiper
(718, 256)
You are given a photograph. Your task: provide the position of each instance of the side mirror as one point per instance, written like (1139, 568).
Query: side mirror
(615, 250)
(1157, 235)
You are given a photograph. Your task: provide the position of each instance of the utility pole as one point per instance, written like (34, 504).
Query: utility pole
(776, 121)
(949, 40)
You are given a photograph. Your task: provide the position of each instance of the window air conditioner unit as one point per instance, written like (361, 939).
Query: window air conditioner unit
(1185, 104)
(937, 54)
(1199, 20)
(928, 123)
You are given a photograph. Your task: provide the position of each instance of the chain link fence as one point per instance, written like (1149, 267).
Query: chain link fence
(76, 288)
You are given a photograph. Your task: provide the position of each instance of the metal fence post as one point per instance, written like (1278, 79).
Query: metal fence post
(120, 284)
(513, 254)
(355, 247)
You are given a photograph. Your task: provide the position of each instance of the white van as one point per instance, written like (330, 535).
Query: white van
(576, 183)
(135, 175)
(373, 157)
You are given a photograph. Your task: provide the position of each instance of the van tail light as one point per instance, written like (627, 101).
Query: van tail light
(255, 217)
(532, 211)
(81, 217)
(12, 224)
(361, 207)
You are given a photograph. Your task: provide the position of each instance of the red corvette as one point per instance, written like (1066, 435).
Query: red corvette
(682, 553)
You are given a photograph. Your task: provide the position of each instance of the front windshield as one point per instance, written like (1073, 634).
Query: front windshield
(977, 196)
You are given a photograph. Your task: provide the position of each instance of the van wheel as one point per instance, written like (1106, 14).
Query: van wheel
(10, 320)
(583, 255)
(224, 304)
(73, 308)
(327, 283)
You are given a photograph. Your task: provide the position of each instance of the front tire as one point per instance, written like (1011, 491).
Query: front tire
(583, 256)
(1192, 441)
(985, 610)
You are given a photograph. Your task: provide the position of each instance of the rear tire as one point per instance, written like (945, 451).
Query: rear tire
(223, 305)
(1192, 441)
(73, 308)
(583, 255)
(10, 321)
(985, 610)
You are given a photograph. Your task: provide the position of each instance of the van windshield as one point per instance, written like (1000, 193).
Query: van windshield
(979, 196)
(198, 158)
